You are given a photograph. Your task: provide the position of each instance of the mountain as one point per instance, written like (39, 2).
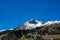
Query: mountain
(31, 30)
(30, 25)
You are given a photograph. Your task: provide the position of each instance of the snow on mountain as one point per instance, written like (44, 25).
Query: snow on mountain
(32, 24)
(5, 30)
(11, 29)
(51, 22)
(2, 30)
(35, 23)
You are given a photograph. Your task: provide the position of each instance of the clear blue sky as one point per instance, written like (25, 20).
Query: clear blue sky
(15, 12)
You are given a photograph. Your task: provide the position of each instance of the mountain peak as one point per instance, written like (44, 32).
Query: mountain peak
(30, 24)
(33, 21)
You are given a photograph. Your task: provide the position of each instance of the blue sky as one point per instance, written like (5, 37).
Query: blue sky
(15, 12)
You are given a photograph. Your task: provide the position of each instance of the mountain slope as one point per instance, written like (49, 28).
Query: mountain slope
(31, 30)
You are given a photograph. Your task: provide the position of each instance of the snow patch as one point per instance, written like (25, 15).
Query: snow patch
(5, 30)
(51, 22)
(11, 29)
(2, 30)
(30, 26)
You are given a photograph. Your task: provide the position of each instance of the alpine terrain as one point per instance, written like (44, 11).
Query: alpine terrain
(33, 30)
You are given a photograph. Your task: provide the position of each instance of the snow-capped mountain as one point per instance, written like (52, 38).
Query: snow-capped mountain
(30, 24)
(35, 23)
(30, 28)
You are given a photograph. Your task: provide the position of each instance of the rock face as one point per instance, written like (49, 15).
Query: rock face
(31, 30)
